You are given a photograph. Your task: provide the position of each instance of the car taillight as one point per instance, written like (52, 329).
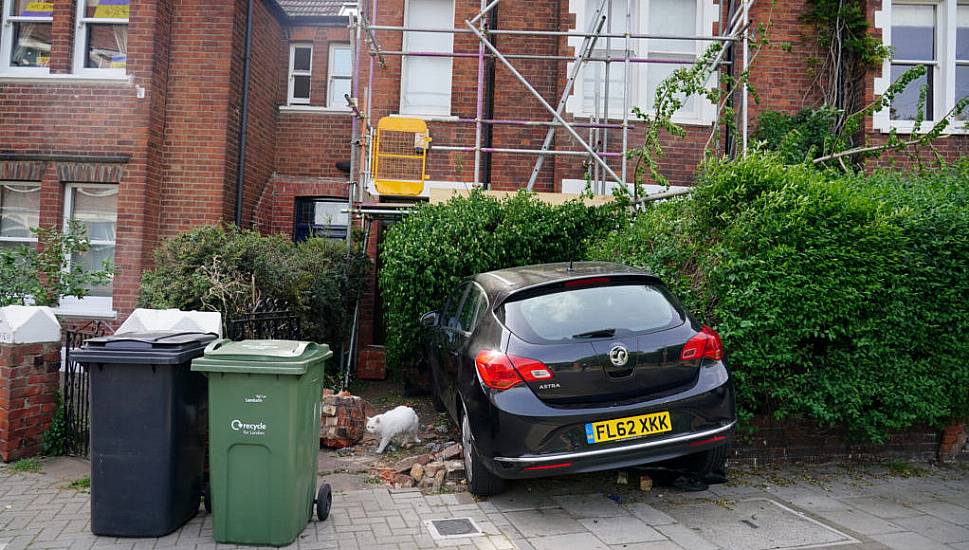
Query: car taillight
(530, 369)
(705, 344)
(501, 372)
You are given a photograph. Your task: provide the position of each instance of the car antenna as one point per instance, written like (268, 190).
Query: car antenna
(570, 268)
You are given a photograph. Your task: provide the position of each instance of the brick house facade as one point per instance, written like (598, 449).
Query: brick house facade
(127, 115)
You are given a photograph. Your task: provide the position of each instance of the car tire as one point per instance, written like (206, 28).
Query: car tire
(708, 464)
(481, 481)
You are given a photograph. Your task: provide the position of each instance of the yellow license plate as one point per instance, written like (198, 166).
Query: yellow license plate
(628, 428)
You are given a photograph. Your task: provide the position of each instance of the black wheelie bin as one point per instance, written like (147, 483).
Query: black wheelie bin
(147, 420)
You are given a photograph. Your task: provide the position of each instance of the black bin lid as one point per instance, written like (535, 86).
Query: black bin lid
(163, 347)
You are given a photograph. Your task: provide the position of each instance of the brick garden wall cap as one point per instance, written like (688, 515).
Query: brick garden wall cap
(28, 325)
(149, 320)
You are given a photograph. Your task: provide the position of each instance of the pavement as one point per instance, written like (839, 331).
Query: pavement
(895, 505)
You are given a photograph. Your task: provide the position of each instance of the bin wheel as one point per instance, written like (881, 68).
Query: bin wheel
(207, 498)
(324, 498)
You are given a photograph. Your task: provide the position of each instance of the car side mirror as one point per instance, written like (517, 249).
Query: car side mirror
(429, 319)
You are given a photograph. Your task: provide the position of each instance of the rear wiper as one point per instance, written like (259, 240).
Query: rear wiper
(601, 333)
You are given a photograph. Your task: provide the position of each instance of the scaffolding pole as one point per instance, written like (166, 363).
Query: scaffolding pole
(588, 44)
(538, 96)
(625, 96)
(595, 148)
(479, 107)
(744, 101)
(578, 34)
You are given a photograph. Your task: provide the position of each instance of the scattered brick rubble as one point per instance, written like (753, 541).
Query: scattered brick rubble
(435, 464)
(431, 471)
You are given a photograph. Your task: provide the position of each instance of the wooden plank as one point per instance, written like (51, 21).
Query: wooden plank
(438, 196)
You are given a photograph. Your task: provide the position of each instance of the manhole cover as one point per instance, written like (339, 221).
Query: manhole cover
(759, 524)
(452, 528)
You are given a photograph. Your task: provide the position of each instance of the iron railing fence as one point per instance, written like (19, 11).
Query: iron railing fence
(266, 325)
(76, 388)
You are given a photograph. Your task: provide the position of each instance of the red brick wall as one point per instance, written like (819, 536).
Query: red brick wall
(98, 119)
(309, 144)
(778, 442)
(196, 121)
(28, 396)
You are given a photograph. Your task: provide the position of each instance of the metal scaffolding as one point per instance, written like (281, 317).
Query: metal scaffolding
(595, 145)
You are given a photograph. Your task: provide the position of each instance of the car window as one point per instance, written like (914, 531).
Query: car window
(614, 310)
(449, 316)
(469, 309)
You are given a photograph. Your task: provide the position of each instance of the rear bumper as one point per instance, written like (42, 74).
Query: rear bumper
(635, 453)
(518, 436)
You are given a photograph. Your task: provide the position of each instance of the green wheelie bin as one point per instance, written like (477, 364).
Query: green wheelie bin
(264, 432)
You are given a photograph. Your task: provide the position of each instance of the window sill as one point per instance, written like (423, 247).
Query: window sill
(313, 109)
(428, 118)
(903, 127)
(28, 77)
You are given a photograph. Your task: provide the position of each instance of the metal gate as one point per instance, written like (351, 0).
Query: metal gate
(266, 325)
(76, 390)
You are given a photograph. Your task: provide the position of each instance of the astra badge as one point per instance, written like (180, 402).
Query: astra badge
(619, 355)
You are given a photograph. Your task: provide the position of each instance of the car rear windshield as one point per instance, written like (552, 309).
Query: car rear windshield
(591, 312)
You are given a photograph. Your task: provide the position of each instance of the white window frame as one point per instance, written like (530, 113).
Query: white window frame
(7, 19)
(19, 240)
(290, 100)
(704, 113)
(337, 103)
(944, 69)
(97, 304)
(443, 112)
(80, 43)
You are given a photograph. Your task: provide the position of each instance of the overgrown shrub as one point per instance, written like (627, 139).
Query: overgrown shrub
(798, 138)
(430, 251)
(840, 298)
(235, 272)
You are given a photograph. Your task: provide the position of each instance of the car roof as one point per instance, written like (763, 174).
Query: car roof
(502, 283)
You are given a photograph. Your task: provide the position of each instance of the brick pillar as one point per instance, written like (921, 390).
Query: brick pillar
(30, 360)
(953, 441)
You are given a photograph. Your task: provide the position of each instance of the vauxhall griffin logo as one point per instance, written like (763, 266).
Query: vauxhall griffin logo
(619, 355)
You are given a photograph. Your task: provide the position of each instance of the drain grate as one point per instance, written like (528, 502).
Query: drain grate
(453, 528)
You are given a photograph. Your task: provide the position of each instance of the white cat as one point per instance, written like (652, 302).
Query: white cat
(402, 420)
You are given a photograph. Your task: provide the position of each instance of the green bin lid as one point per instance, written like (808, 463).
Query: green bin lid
(261, 356)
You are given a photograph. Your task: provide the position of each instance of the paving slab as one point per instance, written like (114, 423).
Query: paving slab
(759, 524)
(544, 522)
(585, 541)
(590, 506)
(621, 530)
(935, 528)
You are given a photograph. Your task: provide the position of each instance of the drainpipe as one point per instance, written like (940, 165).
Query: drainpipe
(244, 117)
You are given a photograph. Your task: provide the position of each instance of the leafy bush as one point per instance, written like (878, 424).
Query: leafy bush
(840, 298)
(57, 437)
(424, 256)
(798, 138)
(41, 275)
(235, 272)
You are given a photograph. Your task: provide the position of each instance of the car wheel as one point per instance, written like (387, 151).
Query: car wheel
(708, 466)
(481, 481)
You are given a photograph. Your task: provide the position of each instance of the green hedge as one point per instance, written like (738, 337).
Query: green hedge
(235, 272)
(840, 298)
(430, 251)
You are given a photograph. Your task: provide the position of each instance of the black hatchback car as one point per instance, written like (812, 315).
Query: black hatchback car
(561, 368)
